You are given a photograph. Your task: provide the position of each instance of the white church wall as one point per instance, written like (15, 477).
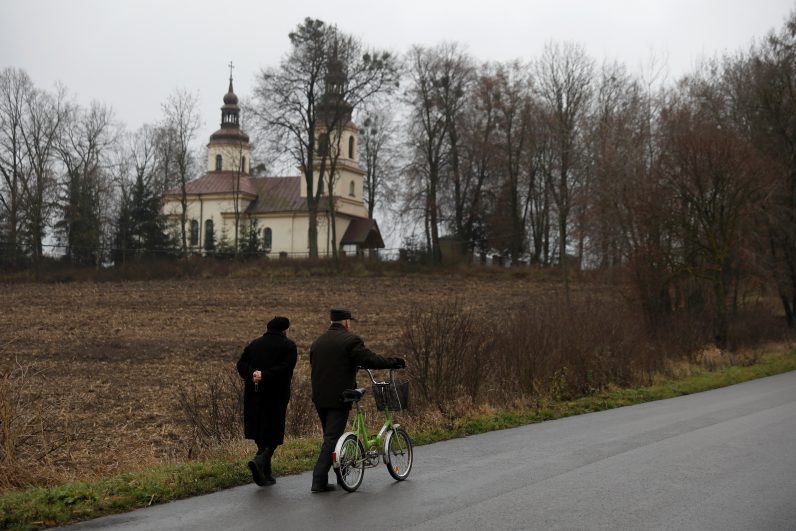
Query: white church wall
(218, 209)
(289, 233)
(230, 157)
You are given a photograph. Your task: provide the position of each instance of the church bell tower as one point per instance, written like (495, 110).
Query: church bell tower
(340, 142)
(229, 149)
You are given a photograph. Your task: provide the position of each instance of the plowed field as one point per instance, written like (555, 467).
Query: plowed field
(114, 355)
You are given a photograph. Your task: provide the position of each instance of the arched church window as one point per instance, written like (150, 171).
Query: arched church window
(267, 238)
(243, 164)
(218, 162)
(210, 239)
(351, 189)
(351, 147)
(323, 144)
(194, 232)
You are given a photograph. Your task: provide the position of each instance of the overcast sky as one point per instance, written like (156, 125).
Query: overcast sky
(132, 54)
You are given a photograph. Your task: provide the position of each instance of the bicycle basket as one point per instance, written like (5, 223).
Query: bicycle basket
(394, 396)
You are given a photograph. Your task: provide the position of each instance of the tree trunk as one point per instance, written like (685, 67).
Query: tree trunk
(184, 218)
(432, 200)
(312, 230)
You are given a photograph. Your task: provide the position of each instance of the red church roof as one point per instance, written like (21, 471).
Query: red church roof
(277, 194)
(218, 182)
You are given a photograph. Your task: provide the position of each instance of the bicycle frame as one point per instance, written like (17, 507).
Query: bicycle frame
(360, 430)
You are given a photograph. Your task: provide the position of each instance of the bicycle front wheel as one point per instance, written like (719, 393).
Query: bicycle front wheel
(352, 463)
(399, 454)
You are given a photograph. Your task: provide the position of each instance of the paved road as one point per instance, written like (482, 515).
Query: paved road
(725, 459)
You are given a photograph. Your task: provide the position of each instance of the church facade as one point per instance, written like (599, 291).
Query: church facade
(275, 208)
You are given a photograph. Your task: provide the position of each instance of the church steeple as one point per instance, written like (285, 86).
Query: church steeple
(333, 100)
(230, 112)
(229, 147)
(336, 137)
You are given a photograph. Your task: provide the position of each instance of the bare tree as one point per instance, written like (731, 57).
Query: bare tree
(83, 149)
(438, 80)
(15, 87)
(303, 105)
(45, 115)
(517, 145)
(460, 67)
(717, 179)
(539, 158)
(564, 84)
(378, 148)
(181, 122)
(633, 213)
(617, 141)
(285, 104)
(763, 89)
(479, 149)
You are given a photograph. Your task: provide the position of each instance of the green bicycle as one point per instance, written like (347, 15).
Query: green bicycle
(355, 450)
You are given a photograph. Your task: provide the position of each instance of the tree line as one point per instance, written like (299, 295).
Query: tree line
(560, 161)
(73, 178)
(555, 160)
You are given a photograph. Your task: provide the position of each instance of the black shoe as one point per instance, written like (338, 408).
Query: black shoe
(323, 488)
(256, 473)
(268, 480)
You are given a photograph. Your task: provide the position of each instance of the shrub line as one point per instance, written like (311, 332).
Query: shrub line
(38, 507)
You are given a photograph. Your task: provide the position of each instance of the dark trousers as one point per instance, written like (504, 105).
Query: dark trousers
(263, 444)
(333, 421)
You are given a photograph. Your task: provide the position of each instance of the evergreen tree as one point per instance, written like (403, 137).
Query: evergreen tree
(80, 224)
(250, 244)
(124, 240)
(223, 249)
(149, 224)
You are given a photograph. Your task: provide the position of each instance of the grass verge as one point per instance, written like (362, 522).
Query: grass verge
(38, 507)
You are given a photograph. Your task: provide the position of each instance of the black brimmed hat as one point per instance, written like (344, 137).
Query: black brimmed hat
(341, 314)
(280, 324)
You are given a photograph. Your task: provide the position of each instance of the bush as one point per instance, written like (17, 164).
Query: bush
(563, 350)
(213, 409)
(446, 349)
(302, 418)
(550, 348)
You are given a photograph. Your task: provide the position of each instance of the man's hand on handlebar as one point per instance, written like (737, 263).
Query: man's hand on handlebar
(398, 363)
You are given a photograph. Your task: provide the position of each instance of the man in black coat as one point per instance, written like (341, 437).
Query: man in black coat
(266, 367)
(334, 358)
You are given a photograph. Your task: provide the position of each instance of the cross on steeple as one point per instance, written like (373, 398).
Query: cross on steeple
(231, 66)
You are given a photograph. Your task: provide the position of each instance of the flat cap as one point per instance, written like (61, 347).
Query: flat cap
(341, 314)
(279, 324)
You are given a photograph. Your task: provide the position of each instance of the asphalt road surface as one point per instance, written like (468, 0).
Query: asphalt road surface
(724, 459)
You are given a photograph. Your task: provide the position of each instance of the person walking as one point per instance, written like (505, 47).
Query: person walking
(266, 367)
(334, 358)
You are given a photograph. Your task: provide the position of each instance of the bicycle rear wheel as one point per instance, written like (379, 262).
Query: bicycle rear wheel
(352, 463)
(399, 452)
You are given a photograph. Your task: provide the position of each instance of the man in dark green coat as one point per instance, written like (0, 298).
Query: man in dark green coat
(334, 358)
(266, 367)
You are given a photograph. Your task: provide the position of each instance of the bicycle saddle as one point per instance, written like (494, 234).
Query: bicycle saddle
(353, 395)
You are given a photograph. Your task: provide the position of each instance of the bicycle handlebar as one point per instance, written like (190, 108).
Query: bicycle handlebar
(372, 379)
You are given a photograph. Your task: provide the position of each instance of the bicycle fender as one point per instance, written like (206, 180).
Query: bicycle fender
(387, 439)
(335, 462)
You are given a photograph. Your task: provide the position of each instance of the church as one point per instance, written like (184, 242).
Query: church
(274, 207)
